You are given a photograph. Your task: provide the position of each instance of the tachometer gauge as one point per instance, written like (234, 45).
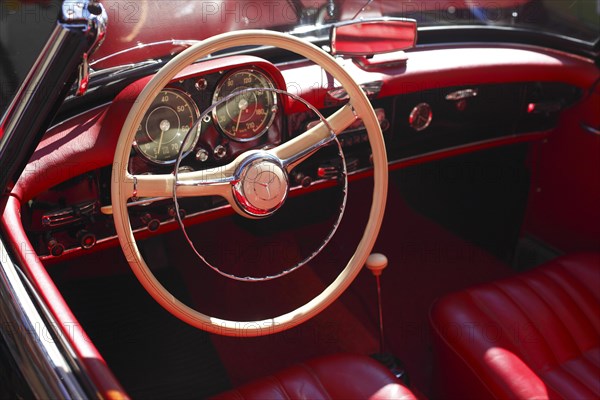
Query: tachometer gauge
(162, 131)
(248, 115)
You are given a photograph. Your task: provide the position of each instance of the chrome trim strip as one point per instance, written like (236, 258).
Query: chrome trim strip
(30, 340)
(589, 129)
(69, 215)
(462, 94)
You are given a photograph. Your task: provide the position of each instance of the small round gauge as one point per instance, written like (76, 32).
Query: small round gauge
(248, 115)
(162, 131)
(420, 117)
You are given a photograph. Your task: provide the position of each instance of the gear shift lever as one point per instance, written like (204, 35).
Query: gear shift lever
(376, 263)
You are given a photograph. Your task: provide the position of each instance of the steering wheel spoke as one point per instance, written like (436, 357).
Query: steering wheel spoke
(298, 149)
(209, 182)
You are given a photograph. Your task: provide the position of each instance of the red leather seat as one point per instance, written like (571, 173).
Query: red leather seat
(340, 376)
(536, 335)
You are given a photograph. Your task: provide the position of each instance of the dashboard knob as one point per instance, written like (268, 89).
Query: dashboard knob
(171, 212)
(86, 239)
(202, 155)
(201, 84)
(151, 223)
(302, 180)
(55, 247)
(306, 181)
(220, 151)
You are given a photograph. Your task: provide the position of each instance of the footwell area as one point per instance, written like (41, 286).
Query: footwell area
(153, 354)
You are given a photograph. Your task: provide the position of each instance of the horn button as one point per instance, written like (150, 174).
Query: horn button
(262, 188)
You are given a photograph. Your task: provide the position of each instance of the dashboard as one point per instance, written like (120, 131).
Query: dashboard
(216, 109)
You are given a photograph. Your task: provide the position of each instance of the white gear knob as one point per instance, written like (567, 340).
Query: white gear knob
(376, 263)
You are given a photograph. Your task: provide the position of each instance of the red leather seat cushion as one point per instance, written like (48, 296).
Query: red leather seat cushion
(536, 335)
(340, 376)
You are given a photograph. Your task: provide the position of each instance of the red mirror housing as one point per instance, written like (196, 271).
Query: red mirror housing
(370, 37)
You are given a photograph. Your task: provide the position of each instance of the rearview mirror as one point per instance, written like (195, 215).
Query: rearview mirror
(376, 36)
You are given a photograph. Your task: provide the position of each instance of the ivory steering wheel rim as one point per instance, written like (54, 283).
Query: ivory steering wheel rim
(125, 186)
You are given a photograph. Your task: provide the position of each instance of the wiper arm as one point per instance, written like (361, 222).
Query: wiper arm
(174, 42)
(118, 69)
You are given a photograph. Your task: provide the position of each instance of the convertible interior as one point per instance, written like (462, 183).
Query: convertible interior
(196, 224)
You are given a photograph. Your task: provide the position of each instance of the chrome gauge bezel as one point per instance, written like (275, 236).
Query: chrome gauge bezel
(188, 98)
(272, 110)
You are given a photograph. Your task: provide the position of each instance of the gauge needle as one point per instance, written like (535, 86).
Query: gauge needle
(242, 105)
(164, 126)
(159, 142)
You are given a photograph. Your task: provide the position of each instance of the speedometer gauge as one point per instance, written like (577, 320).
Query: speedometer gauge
(160, 135)
(249, 114)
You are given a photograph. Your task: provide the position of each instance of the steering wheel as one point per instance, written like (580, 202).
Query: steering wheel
(230, 180)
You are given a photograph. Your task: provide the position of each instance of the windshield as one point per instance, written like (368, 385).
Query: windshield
(153, 29)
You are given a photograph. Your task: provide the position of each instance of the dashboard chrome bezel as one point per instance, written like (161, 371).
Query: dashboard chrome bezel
(196, 112)
(273, 110)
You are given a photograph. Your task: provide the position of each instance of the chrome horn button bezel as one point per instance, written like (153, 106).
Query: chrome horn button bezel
(262, 185)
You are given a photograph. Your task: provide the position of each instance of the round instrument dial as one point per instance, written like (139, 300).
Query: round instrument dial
(420, 117)
(162, 131)
(249, 114)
